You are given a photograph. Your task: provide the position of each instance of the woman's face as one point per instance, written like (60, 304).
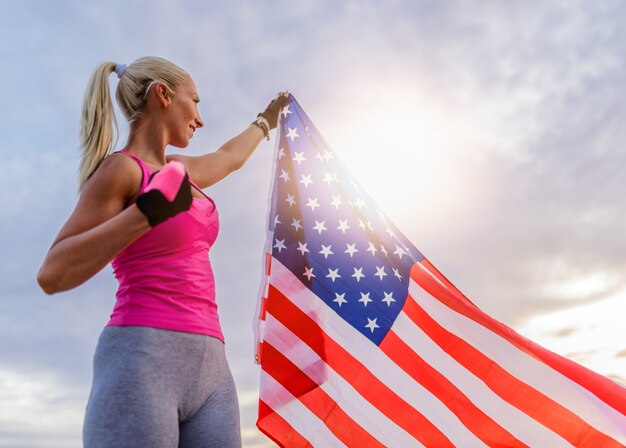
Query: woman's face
(183, 115)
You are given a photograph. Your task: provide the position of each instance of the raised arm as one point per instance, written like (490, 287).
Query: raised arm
(207, 169)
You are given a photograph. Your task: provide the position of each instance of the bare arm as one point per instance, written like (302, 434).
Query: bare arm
(99, 228)
(208, 169)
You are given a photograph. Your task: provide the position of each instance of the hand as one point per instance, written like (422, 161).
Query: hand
(273, 109)
(168, 193)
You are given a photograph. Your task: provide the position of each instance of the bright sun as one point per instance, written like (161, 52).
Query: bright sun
(401, 148)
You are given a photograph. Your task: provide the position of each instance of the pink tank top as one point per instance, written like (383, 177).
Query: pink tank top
(165, 276)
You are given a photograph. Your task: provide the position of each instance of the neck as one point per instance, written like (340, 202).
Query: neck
(147, 140)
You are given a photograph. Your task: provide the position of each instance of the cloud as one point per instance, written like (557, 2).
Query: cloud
(590, 334)
(44, 412)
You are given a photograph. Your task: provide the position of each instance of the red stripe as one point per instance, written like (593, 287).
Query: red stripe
(268, 263)
(259, 353)
(342, 362)
(608, 391)
(263, 308)
(276, 428)
(519, 394)
(315, 399)
(468, 413)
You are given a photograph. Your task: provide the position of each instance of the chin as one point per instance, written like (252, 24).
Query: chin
(181, 144)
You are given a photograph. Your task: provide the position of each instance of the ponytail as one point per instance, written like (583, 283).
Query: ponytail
(97, 124)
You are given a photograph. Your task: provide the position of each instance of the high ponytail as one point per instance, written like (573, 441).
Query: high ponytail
(97, 124)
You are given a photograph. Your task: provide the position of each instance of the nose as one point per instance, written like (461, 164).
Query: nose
(198, 121)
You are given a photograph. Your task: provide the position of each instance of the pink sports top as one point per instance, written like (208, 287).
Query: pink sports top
(165, 276)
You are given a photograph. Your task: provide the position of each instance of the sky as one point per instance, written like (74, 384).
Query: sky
(492, 133)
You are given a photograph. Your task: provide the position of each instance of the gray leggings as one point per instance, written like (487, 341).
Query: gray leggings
(161, 389)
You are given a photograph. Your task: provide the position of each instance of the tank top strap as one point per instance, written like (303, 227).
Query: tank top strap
(195, 185)
(145, 171)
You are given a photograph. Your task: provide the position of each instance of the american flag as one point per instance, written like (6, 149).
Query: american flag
(364, 343)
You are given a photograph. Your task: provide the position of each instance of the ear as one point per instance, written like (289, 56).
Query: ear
(162, 94)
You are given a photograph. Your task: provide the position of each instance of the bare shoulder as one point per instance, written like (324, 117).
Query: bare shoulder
(189, 163)
(117, 175)
(119, 168)
(185, 160)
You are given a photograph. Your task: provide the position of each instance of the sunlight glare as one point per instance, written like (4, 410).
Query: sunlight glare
(401, 147)
(581, 287)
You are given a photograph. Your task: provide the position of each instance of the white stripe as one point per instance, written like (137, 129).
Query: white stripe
(342, 392)
(520, 425)
(524, 367)
(299, 417)
(257, 322)
(373, 358)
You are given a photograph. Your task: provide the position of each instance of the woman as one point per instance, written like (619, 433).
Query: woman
(160, 375)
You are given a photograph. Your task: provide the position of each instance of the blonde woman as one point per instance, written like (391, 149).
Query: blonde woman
(160, 374)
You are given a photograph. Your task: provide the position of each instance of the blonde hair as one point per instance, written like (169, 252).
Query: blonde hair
(98, 125)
